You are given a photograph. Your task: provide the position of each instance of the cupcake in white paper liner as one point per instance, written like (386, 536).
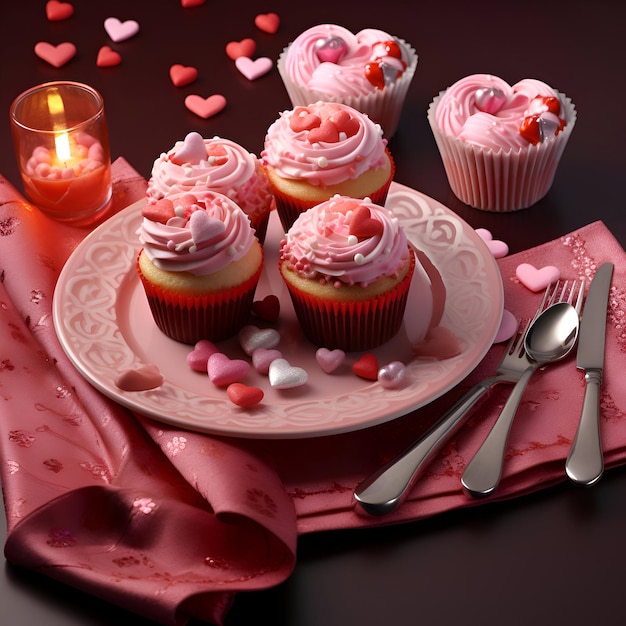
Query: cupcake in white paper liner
(370, 71)
(501, 145)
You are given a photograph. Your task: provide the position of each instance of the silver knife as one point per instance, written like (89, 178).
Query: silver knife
(585, 462)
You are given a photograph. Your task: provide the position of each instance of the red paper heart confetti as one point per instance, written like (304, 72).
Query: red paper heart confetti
(253, 69)
(536, 279)
(366, 367)
(56, 11)
(267, 22)
(120, 31)
(57, 56)
(108, 57)
(244, 395)
(205, 107)
(244, 48)
(268, 308)
(182, 75)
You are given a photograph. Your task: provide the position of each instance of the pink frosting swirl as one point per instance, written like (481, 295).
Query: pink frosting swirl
(332, 61)
(324, 144)
(346, 241)
(486, 111)
(196, 235)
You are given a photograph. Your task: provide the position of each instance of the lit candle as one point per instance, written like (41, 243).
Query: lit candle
(62, 147)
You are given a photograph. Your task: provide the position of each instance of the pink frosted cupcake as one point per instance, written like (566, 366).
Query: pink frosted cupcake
(348, 267)
(370, 71)
(315, 152)
(217, 164)
(199, 266)
(501, 145)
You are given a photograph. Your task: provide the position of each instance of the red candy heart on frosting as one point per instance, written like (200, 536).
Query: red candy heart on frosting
(345, 123)
(366, 367)
(326, 132)
(363, 225)
(159, 211)
(301, 119)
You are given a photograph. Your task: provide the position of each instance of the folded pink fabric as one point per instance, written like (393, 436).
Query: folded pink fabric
(96, 496)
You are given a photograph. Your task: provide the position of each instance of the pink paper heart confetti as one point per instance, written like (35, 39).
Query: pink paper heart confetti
(252, 338)
(537, 279)
(182, 75)
(56, 11)
(496, 247)
(253, 69)
(205, 107)
(58, 55)
(107, 57)
(262, 359)
(120, 31)
(244, 48)
(244, 395)
(140, 379)
(283, 375)
(198, 358)
(508, 326)
(392, 375)
(267, 22)
(223, 370)
(329, 360)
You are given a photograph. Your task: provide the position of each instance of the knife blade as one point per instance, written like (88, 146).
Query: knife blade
(585, 463)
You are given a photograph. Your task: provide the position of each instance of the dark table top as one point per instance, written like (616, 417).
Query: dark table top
(555, 557)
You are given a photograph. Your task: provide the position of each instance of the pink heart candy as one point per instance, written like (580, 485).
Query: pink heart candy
(329, 360)
(253, 69)
(392, 375)
(120, 31)
(331, 49)
(203, 227)
(193, 150)
(489, 100)
(140, 379)
(198, 358)
(496, 247)
(508, 326)
(537, 279)
(283, 375)
(252, 338)
(205, 107)
(262, 359)
(223, 370)
(57, 56)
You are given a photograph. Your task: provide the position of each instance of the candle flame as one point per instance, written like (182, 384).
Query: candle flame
(62, 147)
(62, 139)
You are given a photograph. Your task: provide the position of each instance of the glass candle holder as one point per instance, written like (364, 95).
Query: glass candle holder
(62, 148)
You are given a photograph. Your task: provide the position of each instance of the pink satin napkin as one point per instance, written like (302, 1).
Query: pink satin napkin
(171, 524)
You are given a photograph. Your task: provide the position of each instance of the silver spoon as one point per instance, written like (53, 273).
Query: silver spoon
(550, 338)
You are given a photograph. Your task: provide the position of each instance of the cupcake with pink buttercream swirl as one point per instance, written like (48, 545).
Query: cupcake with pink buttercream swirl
(217, 164)
(370, 71)
(501, 144)
(314, 152)
(199, 265)
(348, 266)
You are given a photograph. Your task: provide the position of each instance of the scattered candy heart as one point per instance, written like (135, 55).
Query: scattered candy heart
(192, 150)
(205, 107)
(58, 55)
(508, 326)
(223, 370)
(267, 22)
(253, 69)
(326, 132)
(440, 343)
(203, 227)
(198, 358)
(244, 395)
(187, 4)
(496, 247)
(56, 10)
(107, 57)
(182, 75)
(366, 367)
(283, 375)
(363, 225)
(268, 308)
(159, 211)
(329, 360)
(392, 375)
(244, 48)
(262, 359)
(120, 31)
(141, 379)
(536, 279)
(252, 338)
(303, 119)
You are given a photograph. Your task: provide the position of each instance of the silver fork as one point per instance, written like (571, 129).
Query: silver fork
(385, 489)
(482, 474)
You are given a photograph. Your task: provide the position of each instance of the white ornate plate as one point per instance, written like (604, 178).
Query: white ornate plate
(104, 324)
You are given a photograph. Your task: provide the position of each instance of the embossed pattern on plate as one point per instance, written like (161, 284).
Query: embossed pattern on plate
(105, 327)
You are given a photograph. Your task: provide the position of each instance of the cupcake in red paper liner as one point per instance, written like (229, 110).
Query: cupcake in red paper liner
(370, 71)
(217, 164)
(501, 144)
(199, 266)
(315, 152)
(348, 267)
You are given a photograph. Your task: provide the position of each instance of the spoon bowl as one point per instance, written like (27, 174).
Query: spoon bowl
(553, 334)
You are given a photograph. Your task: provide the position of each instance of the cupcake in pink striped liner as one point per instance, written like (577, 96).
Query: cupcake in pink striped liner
(501, 144)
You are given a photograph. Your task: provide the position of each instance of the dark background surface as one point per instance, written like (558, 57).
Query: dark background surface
(555, 557)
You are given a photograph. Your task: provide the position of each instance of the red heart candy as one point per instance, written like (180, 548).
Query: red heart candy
(55, 55)
(366, 367)
(182, 75)
(108, 57)
(267, 22)
(56, 10)
(244, 395)
(159, 211)
(363, 225)
(205, 107)
(301, 119)
(268, 308)
(326, 132)
(244, 48)
(345, 123)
